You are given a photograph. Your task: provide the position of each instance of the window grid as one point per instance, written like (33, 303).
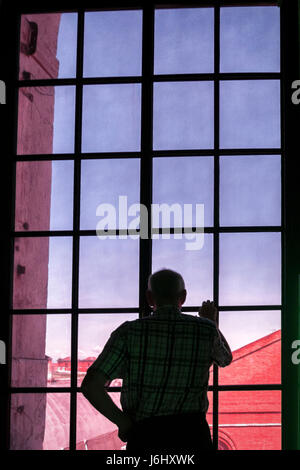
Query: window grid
(146, 155)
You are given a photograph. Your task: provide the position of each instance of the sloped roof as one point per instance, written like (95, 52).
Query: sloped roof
(257, 345)
(257, 362)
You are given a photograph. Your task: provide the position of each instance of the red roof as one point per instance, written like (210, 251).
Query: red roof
(87, 359)
(64, 359)
(256, 363)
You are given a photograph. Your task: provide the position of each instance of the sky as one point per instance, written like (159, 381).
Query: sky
(250, 264)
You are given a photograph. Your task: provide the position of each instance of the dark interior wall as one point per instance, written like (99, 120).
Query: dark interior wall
(291, 330)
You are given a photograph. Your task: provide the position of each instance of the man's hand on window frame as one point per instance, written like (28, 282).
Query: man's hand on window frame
(208, 310)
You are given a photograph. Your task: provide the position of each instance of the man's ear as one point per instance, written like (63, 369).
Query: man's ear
(149, 297)
(182, 296)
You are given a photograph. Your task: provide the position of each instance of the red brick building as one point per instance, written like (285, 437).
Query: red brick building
(63, 365)
(251, 419)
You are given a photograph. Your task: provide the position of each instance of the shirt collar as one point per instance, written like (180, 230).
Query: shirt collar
(167, 310)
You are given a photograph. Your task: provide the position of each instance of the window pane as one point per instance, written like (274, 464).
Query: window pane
(250, 268)
(38, 344)
(94, 431)
(48, 45)
(60, 272)
(108, 272)
(103, 182)
(250, 190)
(42, 272)
(250, 39)
(58, 347)
(250, 420)
(195, 266)
(46, 120)
(184, 180)
(183, 115)
(250, 114)
(39, 421)
(61, 214)
(111, 118)
(44, 195)
(94, 332)
(255, 340)
(112, 43)
(184, 41)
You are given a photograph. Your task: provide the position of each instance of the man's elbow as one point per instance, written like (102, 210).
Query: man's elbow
(225, 361)
(91, 382)
(88, 383)
(228, 360)
(85, 386)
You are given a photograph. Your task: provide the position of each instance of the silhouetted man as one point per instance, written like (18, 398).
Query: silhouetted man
(164, 361)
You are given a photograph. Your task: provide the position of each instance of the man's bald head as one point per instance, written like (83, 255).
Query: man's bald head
(166, 287)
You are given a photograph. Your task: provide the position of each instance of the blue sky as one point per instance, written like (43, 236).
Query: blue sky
(183, 119)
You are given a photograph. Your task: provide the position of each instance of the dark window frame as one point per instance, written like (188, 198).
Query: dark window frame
(288, 145)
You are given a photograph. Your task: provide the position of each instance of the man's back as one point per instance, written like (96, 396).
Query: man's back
(169, 358)
(164, 361)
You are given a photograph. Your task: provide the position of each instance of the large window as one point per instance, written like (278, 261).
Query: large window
(164, 106)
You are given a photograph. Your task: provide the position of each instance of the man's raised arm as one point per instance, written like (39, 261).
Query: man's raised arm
(221, 353)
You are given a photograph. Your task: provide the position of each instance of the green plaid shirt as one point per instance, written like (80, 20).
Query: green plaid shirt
(164, 361)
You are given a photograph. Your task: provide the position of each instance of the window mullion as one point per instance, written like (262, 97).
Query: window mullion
(146, 148)
(76, 239)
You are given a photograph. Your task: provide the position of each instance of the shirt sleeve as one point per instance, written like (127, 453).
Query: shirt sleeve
(221, 355)
(113, 360)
